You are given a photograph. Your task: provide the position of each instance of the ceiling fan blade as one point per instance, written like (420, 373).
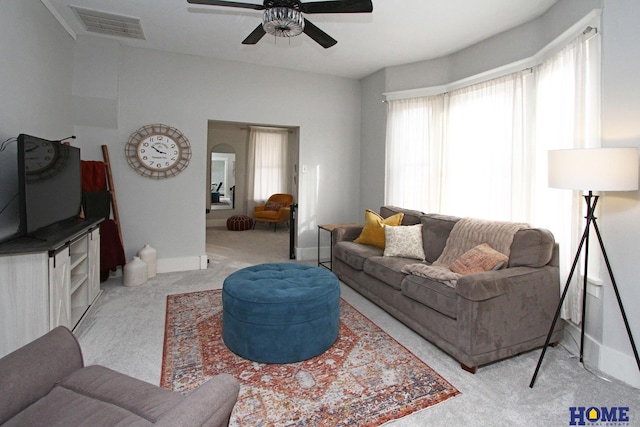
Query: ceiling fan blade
(228, 4)
(255, 35)
(322, 38)
(335, 6)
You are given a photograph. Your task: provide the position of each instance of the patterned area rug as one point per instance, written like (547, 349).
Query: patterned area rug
(365, 379)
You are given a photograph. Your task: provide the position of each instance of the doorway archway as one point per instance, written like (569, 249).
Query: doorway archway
(234, 137)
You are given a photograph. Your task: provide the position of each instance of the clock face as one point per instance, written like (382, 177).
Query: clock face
(158, 151)
(43, 159)
(39, 155)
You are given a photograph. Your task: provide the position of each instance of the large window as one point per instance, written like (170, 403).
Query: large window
(481, 151)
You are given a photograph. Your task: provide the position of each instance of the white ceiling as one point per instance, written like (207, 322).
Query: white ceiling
(397, 32)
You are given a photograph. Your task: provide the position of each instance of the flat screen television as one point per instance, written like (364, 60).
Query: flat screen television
(45, 181)
(11, 193)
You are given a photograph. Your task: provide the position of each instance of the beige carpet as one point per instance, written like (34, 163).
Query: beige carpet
(255, 246)
(125, 332)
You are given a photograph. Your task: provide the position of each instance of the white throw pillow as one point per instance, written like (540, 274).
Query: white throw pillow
(404, 241)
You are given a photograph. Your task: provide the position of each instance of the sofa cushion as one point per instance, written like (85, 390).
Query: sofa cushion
(404, 241)
(409, 216)
(355, 254)
(387, 269)
(478, 259)
(431, 293)
(64, 407)
(138, 397)
(531, 247)
(435, 232)
(373, 230)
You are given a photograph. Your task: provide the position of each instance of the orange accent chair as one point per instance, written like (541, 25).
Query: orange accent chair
(276, 209)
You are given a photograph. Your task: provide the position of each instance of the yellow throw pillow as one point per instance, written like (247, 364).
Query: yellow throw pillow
(481, 258)
(373, 231)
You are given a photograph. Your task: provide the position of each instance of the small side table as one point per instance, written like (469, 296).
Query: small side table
(330, 228)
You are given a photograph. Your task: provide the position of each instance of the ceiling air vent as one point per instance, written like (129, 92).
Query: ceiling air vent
(96, 21)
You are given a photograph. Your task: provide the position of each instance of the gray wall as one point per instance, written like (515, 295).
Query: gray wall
(374, 120)
(620, 211)
(186, 92)
(36, 73)
(114, 90)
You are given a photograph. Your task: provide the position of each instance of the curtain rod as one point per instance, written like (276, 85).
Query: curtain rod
(267, 128)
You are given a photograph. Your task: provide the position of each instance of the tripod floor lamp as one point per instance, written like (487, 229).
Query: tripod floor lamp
(598, 169)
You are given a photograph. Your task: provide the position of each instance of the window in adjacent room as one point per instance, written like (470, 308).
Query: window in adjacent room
(267, 168)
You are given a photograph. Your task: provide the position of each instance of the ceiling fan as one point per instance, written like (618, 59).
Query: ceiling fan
(283, 18)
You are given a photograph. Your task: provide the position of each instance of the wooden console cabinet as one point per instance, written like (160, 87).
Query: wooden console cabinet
(46, 280)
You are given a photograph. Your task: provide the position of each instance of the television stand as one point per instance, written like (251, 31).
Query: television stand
(48, 279)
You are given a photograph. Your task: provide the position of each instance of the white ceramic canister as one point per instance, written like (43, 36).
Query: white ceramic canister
(150, 256)
(135, 272)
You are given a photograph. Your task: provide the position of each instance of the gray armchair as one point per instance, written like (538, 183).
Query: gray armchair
(46, 383)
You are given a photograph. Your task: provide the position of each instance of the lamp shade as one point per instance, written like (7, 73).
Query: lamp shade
(594, 169)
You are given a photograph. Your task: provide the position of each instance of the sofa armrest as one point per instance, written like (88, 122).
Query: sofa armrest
(490, 284)
(209, 405)
(346, 234)
(30, 372)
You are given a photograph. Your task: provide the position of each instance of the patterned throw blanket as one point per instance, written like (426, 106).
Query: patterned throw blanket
(466, 234)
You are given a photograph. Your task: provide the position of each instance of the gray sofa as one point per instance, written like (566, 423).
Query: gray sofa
(485, 317)
(46, 383)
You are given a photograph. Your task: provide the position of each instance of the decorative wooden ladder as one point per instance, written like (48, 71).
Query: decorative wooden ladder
(112, 190)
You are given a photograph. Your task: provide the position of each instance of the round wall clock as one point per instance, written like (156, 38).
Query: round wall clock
(158, 151)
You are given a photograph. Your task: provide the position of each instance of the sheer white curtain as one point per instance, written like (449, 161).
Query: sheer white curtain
(414, 137)
(567, 115)
(482, 151)
(267, 164)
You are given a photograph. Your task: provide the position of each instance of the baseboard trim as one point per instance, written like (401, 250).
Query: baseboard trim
(620, 366)
(610, 362)
(306, 254)
(216, 223)
(170, 265)
(571, 341)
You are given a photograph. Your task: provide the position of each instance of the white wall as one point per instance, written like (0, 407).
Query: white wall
(374, 114)
(620, 211)
(186, 92)
(36, 72)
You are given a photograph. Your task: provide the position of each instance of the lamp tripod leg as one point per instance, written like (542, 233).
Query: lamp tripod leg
(559, 308)
(591, 219)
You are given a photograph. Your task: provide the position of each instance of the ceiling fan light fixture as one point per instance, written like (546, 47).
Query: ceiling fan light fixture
(283, 22)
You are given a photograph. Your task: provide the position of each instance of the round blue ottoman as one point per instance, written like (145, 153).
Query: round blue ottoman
(280, 312)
